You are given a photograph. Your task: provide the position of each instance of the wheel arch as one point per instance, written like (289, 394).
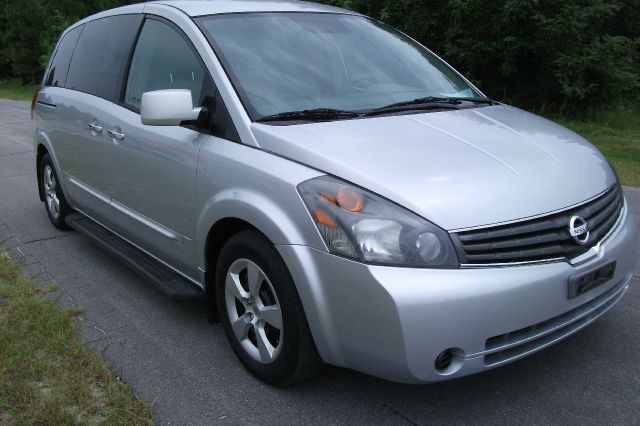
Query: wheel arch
(217, 237)
(238, 210)
(221, 231)
(44, 146)
(243, 208)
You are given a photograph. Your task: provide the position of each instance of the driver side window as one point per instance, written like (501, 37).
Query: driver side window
(163, 60)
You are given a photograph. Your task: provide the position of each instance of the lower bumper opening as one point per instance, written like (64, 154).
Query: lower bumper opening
(516, 344)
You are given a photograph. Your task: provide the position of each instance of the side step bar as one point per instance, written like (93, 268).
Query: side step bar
(163, 278)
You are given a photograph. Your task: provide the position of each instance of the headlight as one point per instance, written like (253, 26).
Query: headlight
(357, 224)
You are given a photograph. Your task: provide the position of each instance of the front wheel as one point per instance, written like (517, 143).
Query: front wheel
(55, 202)
(261, 312)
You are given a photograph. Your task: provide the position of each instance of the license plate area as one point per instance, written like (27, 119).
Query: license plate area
(587, 281)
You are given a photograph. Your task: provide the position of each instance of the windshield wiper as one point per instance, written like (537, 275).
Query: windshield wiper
(430, 102)
(318, 114)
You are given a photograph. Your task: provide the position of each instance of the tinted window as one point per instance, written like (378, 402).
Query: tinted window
(101, 56)
(163, 60)
(217, 120)
(57, 73)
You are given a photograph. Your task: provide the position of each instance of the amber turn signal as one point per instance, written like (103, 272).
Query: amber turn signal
(329, 198)
(323, 218)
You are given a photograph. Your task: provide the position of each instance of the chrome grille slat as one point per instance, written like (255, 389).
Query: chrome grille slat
(603, 214)
(516, 242)
(589, 209)
(509, 231)
(599, 232)
(513, 255)
(542, 238)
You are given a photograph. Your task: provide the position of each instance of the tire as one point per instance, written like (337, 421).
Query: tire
(55, 202)
(278, 356)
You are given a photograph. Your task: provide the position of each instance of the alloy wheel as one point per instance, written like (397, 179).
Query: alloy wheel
(51, 192)
(254, 311)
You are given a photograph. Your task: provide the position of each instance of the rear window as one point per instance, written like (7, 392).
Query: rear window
(101, 56)
(57, 72)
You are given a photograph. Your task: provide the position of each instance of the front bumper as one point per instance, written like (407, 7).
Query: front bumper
(394, 322)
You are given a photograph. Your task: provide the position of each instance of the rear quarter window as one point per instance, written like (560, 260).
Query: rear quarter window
(101, 55)
(57, 72)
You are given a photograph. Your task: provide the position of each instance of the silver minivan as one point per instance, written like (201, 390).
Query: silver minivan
(334, 191)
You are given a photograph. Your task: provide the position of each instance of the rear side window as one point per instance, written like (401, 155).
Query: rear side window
(57, 72)
(163, 60)
(101, 56)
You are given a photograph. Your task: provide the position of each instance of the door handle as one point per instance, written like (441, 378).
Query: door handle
(116, 134)
(95, 128)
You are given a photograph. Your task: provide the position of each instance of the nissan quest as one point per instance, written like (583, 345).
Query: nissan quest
(333, 190)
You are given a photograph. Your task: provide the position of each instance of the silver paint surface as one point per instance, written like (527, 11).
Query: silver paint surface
(164, 189)
(200, 8)
(459, 169)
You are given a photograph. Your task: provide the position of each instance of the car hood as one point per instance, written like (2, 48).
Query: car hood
(458, 169)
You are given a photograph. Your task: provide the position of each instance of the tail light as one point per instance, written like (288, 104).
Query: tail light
(33, 103)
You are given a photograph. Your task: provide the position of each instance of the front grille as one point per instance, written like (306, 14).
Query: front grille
(540, 239)
(510, 346)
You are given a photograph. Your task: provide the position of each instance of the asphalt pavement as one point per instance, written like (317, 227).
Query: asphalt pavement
(171, 356)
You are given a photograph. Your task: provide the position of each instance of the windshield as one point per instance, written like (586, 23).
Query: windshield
(283, 62)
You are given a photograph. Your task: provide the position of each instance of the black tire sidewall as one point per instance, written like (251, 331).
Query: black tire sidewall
(253, 246)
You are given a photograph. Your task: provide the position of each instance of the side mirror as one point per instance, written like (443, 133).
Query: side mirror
(168, 107)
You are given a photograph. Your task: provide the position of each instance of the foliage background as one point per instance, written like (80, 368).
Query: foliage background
(541, 54)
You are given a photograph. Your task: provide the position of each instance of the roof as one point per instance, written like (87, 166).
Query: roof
(214, 7)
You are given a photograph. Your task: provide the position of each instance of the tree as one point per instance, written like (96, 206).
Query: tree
(31, 28)
(529, 52)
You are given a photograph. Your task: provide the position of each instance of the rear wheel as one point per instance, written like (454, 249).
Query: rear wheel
(55, 202)
(261, 312)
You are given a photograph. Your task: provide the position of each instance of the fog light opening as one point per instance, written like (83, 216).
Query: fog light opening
(444, 360)
(449, 361)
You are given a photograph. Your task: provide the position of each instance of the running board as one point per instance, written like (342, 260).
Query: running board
(162, 277)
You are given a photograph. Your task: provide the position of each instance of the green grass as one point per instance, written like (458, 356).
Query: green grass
(15, 90)
(46, 375)
(616, 131)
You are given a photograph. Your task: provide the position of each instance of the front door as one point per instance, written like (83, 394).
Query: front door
(153, 169)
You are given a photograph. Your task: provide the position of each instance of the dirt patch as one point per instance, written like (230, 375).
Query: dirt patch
(42, 387)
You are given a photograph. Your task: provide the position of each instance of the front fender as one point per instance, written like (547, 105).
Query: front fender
(239, 182)
(261, 212)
